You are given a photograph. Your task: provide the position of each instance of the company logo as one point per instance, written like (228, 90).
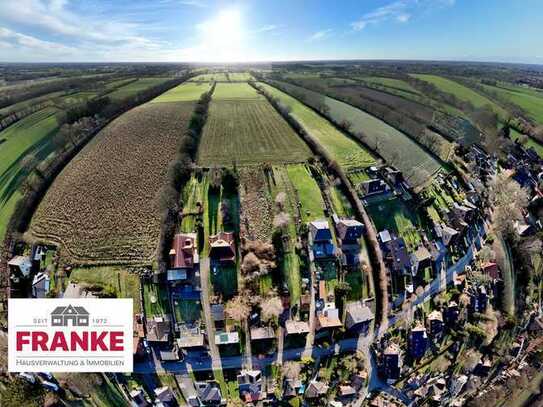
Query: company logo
(63, 316)
(70, 335)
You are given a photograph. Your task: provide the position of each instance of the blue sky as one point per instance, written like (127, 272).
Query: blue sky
(206, 30)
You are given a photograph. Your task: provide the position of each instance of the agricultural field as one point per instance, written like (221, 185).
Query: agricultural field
(529, 100)
(391, 83)
(113, 279)
(29, 137)
(346, 151)
(240, 76)
(307, 191)
(248, 132)
(82, 212)
(29, 102)
(134, 87)
(396, 148)
(186, 92)
(462, 92)
(236, 92)
(210, 77)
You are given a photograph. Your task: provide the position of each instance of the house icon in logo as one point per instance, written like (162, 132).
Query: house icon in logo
(61, 316)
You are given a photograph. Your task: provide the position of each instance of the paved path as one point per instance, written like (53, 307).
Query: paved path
(206, 306)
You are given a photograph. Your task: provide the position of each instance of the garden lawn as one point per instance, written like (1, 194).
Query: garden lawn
(308, 191)
(155, 299)
(124, 284)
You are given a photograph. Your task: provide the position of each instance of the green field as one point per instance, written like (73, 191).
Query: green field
(397, 84)
(186, 92)
(240, 76)
(208, 77)
(462, 92)
(235, 91)
(530, 142)
(123, 283)
(347, 152)
(530, 100)
(31, 135)
(133, 88)
(399, 150)
(248, 132)
(76, 98)
(29, 102)
(309, 194)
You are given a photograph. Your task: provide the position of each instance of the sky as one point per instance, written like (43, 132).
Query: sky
(273, 30)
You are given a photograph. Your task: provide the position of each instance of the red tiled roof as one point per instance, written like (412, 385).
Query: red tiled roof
(183, 250)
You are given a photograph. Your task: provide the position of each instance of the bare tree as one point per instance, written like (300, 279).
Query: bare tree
(271, 307)
(281, 220)
(508, 199)
(280, 200)
(250, 264)
(238, 308)
(291, 370)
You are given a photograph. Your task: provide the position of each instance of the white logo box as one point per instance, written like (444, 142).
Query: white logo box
(70, 335)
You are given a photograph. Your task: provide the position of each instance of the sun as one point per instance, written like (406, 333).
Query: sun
(223, 36)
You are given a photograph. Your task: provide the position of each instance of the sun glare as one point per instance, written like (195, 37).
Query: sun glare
(223, 36)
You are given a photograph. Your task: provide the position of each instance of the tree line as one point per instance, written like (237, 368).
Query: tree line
(178, 174)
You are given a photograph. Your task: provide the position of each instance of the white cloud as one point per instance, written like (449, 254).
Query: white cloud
(266, 28)
(321, 35)
(15, 39)
(400, 11)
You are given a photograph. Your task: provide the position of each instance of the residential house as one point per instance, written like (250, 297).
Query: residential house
(435, 323)
(421, 259)
(349, 233)
(138, 398)
(448, 235)
(170, 355)
(321, 238)
(346, 392)
(165, 396)
(222, 247)
(227, 341)
(20, 266)
(395, 177)
(184, 257)
(263, 339)
(207, 394)
(158, 329)
(358, 317)
(191, 341)
(316, 389)
(395, 253)
(328, 318)
(373, 187)
(250, 385)
(296, 328)
(418, 341)
(217, 315)
(74, 290)
(452, 313)
(292, 388)
(491, 269)
(40, 285)
(392, 363)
